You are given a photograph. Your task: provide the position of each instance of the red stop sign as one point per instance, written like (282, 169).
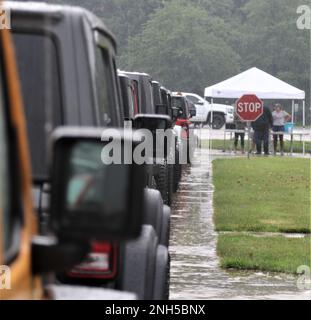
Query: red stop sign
(249, 107)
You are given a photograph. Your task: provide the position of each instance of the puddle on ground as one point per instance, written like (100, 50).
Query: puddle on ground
(195, 271)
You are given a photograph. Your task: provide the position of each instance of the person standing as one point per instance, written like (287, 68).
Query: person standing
(240, 127)
(262, 127)
(280, 117)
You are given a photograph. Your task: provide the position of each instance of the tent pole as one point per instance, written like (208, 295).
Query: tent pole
(304, 124)
(212, 112)
(211, 126)
(225, 139)
(292, 136)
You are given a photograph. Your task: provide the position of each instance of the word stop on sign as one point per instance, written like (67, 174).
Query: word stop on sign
(249, 107)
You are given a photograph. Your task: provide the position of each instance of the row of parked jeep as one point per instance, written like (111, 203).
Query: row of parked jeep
(96, 231)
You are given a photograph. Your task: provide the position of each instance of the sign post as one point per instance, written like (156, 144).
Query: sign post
(249, 108)
(249, 124)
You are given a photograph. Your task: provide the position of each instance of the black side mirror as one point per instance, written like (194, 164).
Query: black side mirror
(175, 113)
(152, 122)
(92, 200)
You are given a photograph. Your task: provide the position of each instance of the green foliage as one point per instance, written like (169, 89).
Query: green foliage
(273, 42)
(188, 45)
(190, 54)
(125, 18)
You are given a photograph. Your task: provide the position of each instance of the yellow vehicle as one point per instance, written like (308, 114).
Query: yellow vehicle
(17, 219)
(79, 213)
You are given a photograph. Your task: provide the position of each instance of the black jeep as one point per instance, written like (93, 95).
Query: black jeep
(66, 59)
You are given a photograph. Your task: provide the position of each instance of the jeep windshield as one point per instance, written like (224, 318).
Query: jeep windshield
(180, 103)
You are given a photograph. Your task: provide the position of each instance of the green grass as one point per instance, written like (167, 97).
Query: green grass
(262, 195)
(276, 254)
(219, 145)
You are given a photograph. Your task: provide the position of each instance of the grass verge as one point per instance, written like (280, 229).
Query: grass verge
(276, 254)
(262, 195)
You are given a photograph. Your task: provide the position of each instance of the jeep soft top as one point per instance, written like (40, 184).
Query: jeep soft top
(69, 54)
(42, 10)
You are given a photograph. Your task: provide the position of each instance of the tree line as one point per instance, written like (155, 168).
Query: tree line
(190, 44)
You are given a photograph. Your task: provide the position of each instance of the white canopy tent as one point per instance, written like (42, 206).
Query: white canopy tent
(260, 83)
(254, 81)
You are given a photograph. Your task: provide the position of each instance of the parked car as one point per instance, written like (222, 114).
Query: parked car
(149, 99)
(173, 113)
(165, 176)
(66, 59)
(154, 169)
(25, 256)
(219, 114)
(184, 127)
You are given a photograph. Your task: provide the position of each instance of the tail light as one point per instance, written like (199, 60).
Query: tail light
(101, 263)
(185, 127)
(180, 122)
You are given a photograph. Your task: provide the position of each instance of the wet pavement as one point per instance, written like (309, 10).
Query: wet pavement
(195, 271)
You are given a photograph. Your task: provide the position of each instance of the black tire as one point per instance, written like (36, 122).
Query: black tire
(218, 121)
(168, 278)
(170, 191)
(139, 265)
(164, 238)
(162, 274)
(177, 171)
(153, 210)
(162, 182)
(188, 153)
